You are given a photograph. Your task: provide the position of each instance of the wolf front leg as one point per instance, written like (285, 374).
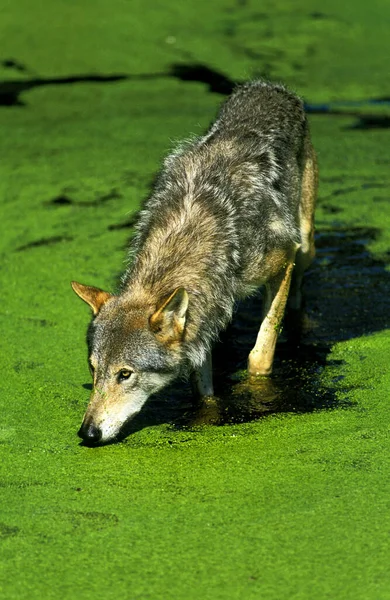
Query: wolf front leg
(202, 379)
(262, 355)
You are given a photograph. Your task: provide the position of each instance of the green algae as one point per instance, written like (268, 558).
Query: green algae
(287, 501)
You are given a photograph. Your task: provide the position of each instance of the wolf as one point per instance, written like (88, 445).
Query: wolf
(230, 211)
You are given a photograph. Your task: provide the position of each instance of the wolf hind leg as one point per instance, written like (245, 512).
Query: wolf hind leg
(202, 379)
(277, 288)
(306, 252)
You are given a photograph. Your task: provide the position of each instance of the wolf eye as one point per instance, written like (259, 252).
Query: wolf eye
(124, 374)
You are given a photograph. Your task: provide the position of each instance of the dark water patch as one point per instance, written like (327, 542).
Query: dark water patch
(364, 121)
(64, 200)
(10, 91)
(113, 195)
(10, 63)
(371, 122)
(325, 108)
(349, 280)
(49, 241)
(341, 192)
(372, 185)
(318, 15)
(330, 209)
(216, 81)
(371, 179)
(7, 531)
(128, 224)
(61, 200)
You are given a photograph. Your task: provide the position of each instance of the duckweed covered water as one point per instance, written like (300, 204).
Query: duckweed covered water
(278, 488)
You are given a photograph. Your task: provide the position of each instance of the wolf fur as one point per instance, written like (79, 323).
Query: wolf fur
(230, 211)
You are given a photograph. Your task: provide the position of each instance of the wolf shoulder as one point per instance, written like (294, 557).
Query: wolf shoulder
(265, 109)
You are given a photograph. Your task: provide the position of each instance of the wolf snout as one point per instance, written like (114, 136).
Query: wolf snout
(90, 433)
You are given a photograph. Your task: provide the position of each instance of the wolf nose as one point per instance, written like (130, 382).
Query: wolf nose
(90, 433)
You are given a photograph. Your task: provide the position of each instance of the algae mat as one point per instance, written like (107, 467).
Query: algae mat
(287, 496)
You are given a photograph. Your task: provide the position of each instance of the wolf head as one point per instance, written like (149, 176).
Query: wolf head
(134, 351)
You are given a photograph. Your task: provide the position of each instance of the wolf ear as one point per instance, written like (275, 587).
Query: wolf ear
(91, 295)
(169, 319)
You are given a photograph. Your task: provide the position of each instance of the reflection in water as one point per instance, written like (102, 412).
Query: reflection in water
(247, 400)
(295, 386)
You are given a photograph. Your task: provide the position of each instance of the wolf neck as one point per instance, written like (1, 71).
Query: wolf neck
(186, 239)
